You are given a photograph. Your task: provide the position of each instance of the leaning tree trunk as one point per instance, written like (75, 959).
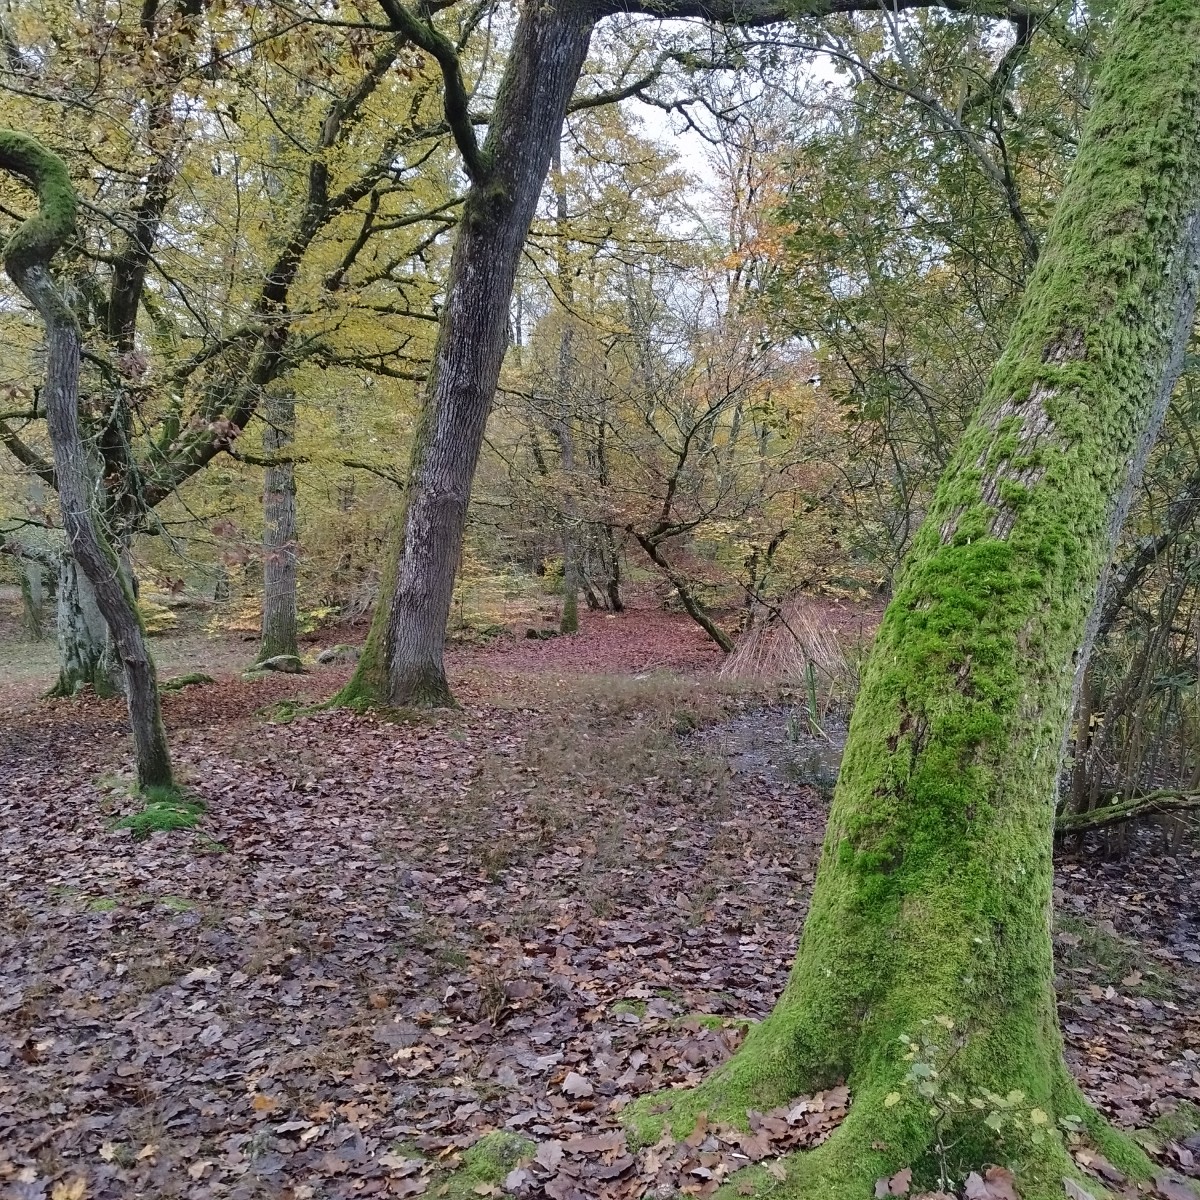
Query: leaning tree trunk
(402, 659)
(933, 899)
(280, 558)
(26, 258)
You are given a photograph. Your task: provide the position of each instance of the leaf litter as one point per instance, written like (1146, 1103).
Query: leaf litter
(388, 938)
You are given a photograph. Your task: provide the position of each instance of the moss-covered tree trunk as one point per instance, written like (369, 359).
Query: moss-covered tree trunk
(933, 899)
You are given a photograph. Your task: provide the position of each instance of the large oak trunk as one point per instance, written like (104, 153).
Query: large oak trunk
(85, 653)
(402, 660)
(932, 905)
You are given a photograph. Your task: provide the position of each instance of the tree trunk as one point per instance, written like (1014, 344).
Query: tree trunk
(569, 518)
(687, 597)
(933, 899)
(610, 555)
(280, 550)
(85, 650)
(33, 598)
(26, 258)
(402, 659)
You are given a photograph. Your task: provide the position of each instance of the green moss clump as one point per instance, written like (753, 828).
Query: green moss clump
(487, 1162)
(1179, 1123)
(166, 808)
(636, 1007)
(195, 679)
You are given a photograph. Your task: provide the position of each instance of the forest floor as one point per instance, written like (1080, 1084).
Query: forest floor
(387, 937)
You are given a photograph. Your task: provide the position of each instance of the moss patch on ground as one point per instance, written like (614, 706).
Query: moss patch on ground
(484, 1165)
(165, 809)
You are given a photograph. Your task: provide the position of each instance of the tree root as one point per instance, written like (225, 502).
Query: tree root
(847, 1167)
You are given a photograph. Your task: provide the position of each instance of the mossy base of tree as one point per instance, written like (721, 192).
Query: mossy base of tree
(421, 690)
(68, 686)
(165, 808)
(881, 1136)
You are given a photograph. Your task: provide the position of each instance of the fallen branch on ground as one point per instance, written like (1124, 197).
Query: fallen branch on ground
(1164, 801)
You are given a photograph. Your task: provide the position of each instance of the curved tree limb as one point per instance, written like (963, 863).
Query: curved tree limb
(27, 260)
(457, 99)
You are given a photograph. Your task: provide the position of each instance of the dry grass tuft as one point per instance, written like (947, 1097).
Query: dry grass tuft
(779, 648)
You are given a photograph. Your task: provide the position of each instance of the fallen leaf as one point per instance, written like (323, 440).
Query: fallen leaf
(575, 1085)
(1172, 1187)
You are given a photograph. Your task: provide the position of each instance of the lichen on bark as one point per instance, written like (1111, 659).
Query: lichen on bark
(934, 889)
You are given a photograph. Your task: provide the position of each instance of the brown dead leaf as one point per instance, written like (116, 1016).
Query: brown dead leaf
(577, 1086)
(1172, 1187)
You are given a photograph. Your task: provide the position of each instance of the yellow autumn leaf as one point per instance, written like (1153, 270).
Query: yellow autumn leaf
(74, 1189)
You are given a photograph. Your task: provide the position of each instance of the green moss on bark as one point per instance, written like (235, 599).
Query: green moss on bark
(368, 686)
(38, 238)
(934, 889)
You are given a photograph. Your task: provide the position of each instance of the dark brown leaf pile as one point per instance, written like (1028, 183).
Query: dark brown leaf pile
(386, 939)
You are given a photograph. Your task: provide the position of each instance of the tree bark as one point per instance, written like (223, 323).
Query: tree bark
(563, 435)
(26, 258)
(33, 599)
(932, 903)
(85, 649)
(280, 549)
(402, 659)
(687, 597)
